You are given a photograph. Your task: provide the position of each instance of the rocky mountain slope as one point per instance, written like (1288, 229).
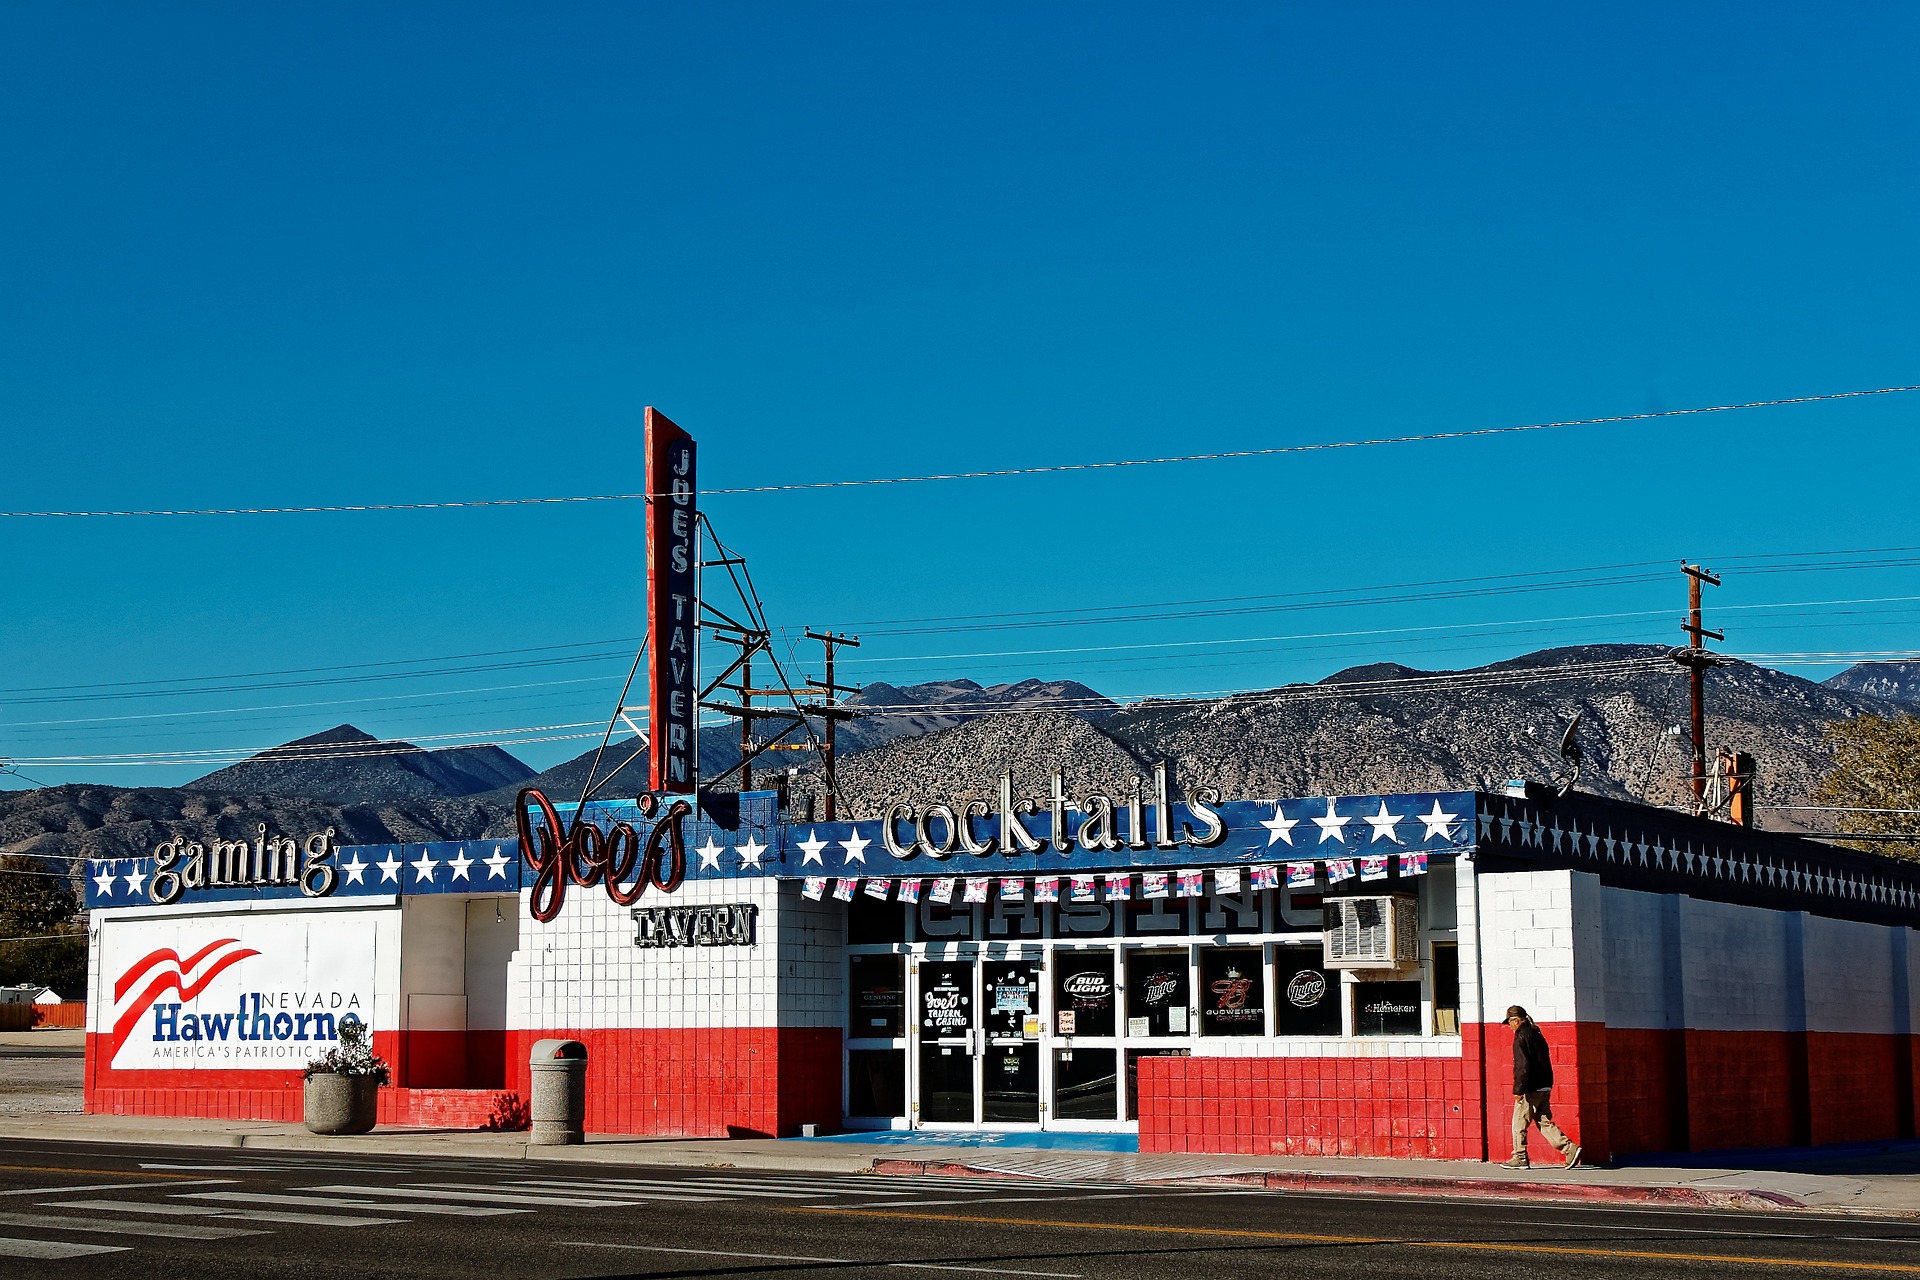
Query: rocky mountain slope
(1893, 681)
(1391, 728)
(347, 766)
(85, 821)
(894, 712)
(1375, 728)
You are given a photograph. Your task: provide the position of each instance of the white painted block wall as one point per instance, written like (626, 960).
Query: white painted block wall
(584, 971)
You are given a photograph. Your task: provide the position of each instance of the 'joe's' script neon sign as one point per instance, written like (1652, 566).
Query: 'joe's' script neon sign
(585, 856)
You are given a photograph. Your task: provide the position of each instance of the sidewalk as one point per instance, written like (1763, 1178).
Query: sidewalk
(1881, 1180)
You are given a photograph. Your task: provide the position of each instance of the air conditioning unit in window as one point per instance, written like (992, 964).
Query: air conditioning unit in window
(1371, 933)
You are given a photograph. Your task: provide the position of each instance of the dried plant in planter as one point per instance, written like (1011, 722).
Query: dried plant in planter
(352, 1055)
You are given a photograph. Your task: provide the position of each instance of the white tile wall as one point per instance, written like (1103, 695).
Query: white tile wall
(583, 970)
(1526, 943)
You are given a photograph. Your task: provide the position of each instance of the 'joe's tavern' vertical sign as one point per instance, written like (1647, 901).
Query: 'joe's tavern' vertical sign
(673, 605)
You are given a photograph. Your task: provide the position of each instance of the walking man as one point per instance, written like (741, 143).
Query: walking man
(1532, 1081)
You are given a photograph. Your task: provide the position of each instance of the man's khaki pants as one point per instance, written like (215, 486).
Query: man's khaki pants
(1531, 1109)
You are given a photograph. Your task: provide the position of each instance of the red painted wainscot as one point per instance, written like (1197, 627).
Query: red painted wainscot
(1404, 1107)
(700, 1082)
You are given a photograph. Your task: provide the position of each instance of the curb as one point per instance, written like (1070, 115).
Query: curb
(1453, 1188)
(403, 1143)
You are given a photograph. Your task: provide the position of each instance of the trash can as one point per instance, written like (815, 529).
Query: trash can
(559, 1092)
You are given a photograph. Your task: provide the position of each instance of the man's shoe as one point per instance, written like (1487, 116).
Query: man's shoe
(1514, 1162)
(1573, 1158)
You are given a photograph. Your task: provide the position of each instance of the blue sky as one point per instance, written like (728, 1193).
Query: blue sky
(267, 255)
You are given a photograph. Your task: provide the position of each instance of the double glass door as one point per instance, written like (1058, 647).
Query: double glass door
(979, 1041)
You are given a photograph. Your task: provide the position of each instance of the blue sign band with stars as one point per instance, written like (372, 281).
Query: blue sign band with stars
(758, 845)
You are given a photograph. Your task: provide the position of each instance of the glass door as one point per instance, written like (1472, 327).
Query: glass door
(1010, 1089)
(947, 1082)
(1086, 1043)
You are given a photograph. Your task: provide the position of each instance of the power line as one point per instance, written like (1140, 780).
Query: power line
(1441, 682)
(993, 473)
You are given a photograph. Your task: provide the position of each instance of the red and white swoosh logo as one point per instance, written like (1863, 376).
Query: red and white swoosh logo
(169, 973)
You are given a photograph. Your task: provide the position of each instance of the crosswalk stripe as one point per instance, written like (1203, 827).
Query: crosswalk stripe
(112, 1186)
(626, 1195)
(220, 1211)
(251, 1198)
(138, 1206)
(121, 1227)
(412, 1191)
(650, 1190)
(311, 1219)
(53, 1250)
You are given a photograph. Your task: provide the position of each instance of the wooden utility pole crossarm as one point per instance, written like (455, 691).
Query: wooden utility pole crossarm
(827, 710)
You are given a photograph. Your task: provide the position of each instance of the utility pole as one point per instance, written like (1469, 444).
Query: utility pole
(828, 708)
(1696, 658)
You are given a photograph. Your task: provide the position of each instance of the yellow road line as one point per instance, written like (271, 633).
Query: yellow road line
(109, 1173)
(1299, 1237)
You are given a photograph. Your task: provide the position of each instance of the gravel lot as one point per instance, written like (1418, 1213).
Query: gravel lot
(41, 1071)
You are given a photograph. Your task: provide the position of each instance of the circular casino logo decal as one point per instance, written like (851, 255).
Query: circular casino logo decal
(1306, 989)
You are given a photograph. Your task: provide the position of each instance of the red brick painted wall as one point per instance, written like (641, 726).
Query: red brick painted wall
(1581, 1090)
(206, 1094)
(1745, 1089)
(1646, 1090)
(1405, 1107)
(1854, 1084)
(692, 1082)
(700, 1082)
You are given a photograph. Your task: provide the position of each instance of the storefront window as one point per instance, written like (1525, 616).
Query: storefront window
(1157, 917)
(1083, 920)
(1309, 999)
(877, 1082)
(1013, 919)
(1446, 989)
(1231, 912)
(871, 921)
(1158, 993)
(876, 996)
(1083, 994)
(1013, 999)
(1301, 909)
(1085, 1084)
(943, 922)
(1233, 992)
(1386, 1009)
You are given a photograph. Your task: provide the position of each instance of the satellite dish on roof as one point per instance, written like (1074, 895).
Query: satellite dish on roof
(1569, 771)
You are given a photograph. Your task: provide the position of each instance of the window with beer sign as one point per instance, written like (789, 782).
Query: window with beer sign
(1233, 992)
(1159, 994)
(1308, 1000)
(1083, 998)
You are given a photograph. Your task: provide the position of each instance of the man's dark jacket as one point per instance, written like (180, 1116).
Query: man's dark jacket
(1532, 1068)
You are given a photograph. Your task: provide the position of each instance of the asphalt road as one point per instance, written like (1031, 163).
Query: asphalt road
(109, 1211)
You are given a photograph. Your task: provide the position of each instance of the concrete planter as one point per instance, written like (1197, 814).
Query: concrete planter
(341, 1104)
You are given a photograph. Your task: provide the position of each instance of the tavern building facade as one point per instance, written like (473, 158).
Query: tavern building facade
(1313, 976)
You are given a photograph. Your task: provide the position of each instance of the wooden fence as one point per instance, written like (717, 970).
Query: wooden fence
(29, 1017)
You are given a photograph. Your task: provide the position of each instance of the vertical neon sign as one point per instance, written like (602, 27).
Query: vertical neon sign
(673, 606)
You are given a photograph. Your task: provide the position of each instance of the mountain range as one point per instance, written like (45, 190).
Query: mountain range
(1381, 727)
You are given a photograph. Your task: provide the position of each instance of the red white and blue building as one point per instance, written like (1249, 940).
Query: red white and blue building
(1324, 975)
